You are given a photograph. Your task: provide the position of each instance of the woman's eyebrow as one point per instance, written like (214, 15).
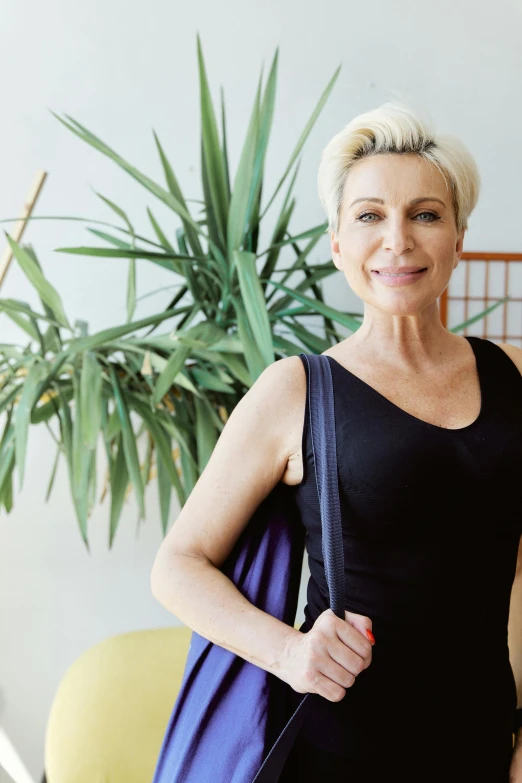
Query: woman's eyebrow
(413, 201)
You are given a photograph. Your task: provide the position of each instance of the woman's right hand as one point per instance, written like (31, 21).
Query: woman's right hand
(327, 659)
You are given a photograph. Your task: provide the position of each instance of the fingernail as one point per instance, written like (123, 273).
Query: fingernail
(370, 636)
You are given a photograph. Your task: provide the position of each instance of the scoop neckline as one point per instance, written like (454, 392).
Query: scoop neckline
(471, 342)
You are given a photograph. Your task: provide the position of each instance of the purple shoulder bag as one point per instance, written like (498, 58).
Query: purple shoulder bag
(228, 722)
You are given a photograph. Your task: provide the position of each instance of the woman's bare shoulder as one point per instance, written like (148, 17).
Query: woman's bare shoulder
(289, 390)
(275, 403)
(291, 383)
(288, 374)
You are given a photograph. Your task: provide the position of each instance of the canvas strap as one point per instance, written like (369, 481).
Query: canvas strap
(322, 429)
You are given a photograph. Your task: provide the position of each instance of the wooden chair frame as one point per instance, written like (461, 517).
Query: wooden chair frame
(492, 261)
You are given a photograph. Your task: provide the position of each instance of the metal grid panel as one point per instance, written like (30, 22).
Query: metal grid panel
(479, 281)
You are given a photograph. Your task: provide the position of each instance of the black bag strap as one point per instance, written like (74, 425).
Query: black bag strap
(322, 429)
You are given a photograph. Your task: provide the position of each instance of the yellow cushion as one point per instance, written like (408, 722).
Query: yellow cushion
(111, 710)
(112, 707)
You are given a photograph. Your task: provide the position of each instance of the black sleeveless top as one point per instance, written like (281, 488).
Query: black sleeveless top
(432, 519)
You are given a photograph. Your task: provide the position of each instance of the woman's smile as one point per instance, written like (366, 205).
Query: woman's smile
(398, 278)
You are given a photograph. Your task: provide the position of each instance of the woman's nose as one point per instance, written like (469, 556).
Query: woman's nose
(397, 236)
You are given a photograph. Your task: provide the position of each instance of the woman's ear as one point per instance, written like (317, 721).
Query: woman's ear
(459, 248)
(336, 253)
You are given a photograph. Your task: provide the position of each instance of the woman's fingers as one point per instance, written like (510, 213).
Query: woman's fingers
(341, 654)
(354, 643)
(327, 659)
(362, 623)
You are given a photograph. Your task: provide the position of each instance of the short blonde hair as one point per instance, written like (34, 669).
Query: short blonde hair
(395, 127)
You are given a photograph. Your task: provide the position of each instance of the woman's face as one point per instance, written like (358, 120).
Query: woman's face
(396, 232)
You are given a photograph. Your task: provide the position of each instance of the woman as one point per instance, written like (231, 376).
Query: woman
(416, 683)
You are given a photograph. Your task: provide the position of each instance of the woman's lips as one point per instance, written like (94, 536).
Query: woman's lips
(394, 280)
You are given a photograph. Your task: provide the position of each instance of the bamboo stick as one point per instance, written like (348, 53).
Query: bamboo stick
(19, 226)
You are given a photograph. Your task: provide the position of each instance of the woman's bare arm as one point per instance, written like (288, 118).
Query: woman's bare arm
(515, 627)
(248, 460)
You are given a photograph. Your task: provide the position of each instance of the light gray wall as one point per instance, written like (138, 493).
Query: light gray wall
(122, 69)
(4, 777)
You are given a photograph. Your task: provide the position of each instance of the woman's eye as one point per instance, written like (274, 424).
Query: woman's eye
(432, 215)
(366, 214)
